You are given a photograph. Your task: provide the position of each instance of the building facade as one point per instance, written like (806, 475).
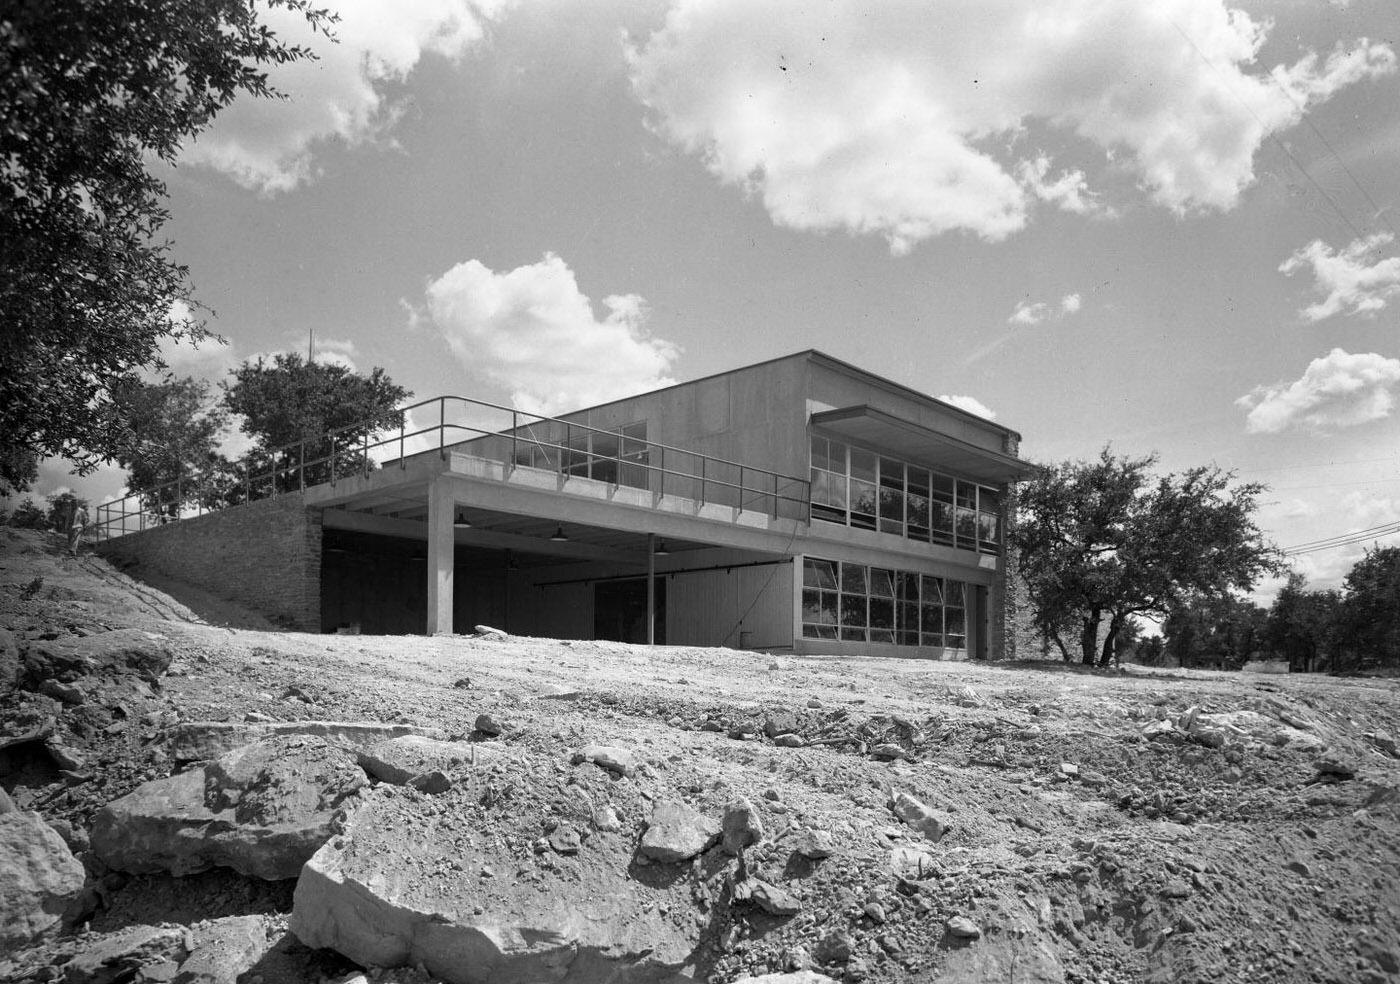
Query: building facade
(799, 504)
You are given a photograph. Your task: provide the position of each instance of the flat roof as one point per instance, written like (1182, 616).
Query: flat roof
(881, 431)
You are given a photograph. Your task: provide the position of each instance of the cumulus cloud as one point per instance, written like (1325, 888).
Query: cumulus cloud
(1337, 390)
(269, 145)
(971, 404)
(1348, 283)
(1371, 510)
(532, 331)
(888, 119)
(1029, 314)
(1033, 313)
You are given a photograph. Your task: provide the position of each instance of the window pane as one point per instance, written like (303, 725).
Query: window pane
(882, 635)
(820, 454)
(830, 607)
(826, 631)
(819, 573)
(881, 613)
(853, 635)
(931, 618)
(932, 639)
(908, 586)
(811, 605)
(907, 638)
(967, 495)
(853, 578)
(891, 511)
(863, 465)
(989, 528)
(863, 500)
(954, 594)
(941, 488)
(891, 473)
(853, 610)
(933, 591)
(954, 622)
(967, 528)
(955, 642)
(881, 582)
(917, 516)
(988, 500)
(908, 616)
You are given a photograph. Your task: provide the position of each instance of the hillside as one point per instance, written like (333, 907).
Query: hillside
(529, 809)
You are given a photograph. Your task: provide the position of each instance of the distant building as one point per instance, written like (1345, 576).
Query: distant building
(800, 504)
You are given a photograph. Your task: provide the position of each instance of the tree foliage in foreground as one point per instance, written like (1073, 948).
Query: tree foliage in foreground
(1100, 542)
(292, 404)
(88, 91)
(1224, 628)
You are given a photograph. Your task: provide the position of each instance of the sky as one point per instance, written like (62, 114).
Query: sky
(1166, 227)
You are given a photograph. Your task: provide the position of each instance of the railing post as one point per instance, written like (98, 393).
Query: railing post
(704, 460)
(402, 464)
(514, 430)
(442, 427)
(332, 460)
(741, 488)
(775, 495)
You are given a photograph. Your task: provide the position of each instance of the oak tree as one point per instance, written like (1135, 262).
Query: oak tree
(1100, 542)
(90, 92)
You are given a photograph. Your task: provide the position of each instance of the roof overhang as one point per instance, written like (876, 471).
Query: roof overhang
(881, 431)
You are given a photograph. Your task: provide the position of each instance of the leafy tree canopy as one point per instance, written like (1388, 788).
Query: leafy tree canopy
(170, 433)
(290, 400)
(1102, 541)
(88, 91)
(1371, 609)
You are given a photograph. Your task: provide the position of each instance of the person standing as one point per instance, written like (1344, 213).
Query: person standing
(76, 524)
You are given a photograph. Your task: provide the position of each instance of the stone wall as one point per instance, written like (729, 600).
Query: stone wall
(265, 554)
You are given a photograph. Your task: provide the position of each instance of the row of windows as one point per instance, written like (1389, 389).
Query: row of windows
(874, 604)
(619, 457)
(859, 488)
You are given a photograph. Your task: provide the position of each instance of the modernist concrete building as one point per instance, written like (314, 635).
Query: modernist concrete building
(800, 504)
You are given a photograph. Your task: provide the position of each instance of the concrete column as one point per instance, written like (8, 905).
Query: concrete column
(441, 556)
(651, 589)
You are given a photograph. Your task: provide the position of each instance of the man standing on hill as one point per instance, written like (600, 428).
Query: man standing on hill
(77, 522)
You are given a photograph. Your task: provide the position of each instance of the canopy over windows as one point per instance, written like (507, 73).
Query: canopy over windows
(877, 429)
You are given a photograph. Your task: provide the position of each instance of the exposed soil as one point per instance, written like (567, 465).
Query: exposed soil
(1082, 846)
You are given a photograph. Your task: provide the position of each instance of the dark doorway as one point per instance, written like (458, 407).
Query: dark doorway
(620, 610)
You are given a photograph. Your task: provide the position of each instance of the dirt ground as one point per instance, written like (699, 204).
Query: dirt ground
(1098, 831)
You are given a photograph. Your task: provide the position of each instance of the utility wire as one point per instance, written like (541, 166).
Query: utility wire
(1343, 540)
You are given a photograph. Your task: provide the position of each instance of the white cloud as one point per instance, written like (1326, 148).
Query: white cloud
(1070, 191)
(888, 118)
(1029, 314)
(1349, 284)
(269, 144)
(1035, 312)
(1337, 390)
(1371, 510)
(971, 405)
(532, 331)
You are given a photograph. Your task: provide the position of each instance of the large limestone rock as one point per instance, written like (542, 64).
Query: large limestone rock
(261, 810)
(200, 741)
(397, 760)
(411, 882)
(40, 880)
(676, 832)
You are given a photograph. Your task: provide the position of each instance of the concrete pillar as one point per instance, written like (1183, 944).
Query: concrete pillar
(441, 557)
(651, 589)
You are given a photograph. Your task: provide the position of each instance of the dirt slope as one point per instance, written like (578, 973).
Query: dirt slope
(1183, 826)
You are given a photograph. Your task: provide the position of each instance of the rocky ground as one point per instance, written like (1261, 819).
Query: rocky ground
(189, 801)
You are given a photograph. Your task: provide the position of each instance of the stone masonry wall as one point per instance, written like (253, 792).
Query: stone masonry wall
(265, 554)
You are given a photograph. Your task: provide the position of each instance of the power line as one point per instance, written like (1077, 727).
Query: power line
(1344, 540)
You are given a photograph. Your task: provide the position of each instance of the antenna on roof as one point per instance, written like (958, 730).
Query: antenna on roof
(310, 345)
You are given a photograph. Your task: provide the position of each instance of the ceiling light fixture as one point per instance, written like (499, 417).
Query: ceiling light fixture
(559, 536)
(461, 519)
(661, 550)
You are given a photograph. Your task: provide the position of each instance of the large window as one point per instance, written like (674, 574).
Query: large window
(858, 603)
(619, 456)
(859, 488)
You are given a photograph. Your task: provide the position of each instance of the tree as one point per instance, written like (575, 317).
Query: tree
(290, 405)
(1224, 626)
(28, 516)
(88, 92)
(1303, 626)
(1370, 610)
(1102, 541)
(62, 506)
(171, 432)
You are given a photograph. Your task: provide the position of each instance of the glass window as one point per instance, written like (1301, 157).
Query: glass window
(853, 579)
(881, 582)
(819, 574)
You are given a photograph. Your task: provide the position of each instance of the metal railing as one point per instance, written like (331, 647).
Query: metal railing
(565, 447)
